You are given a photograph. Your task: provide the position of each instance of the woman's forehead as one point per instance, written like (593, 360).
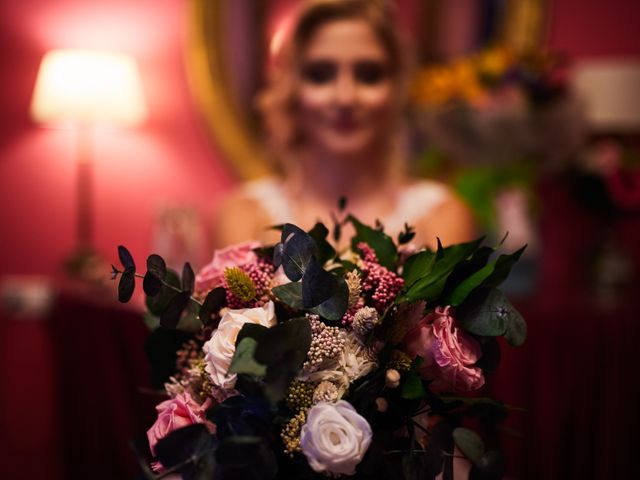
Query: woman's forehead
(345, 39)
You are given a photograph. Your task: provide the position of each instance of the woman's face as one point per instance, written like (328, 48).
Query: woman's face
(345, 91)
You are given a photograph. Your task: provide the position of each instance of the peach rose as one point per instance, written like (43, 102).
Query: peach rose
(212, 274)
(449, 353)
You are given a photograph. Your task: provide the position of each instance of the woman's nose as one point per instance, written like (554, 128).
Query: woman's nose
(345, 89)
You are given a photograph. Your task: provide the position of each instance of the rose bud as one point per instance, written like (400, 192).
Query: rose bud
(392, 378)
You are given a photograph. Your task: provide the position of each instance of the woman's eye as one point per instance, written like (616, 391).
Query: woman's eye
(370, 73)
(319, 73)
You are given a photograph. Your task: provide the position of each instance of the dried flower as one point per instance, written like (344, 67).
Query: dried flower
(300, 395)
(364, 320)
(354, 282)
(325, 392)
(290, 434)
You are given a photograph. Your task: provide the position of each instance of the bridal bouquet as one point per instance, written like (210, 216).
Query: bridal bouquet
(307, 361)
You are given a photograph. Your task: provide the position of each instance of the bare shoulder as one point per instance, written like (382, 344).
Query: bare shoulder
(450, 219)
(238, 218)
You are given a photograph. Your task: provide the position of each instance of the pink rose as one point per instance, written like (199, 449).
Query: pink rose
(176, 413)
(211, 275)
(449, 353)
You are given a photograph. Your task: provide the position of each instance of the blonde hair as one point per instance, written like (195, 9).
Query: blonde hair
(277, 102)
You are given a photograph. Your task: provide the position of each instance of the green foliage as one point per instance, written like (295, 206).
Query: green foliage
(290, 294)
(213, 302)
(469, 443)
(244, 361)
(334, 307)
(380, 242)
(412, 387)
(318, 291)
(488, 313)
(428, 273)
(275, 353)
(319, 235)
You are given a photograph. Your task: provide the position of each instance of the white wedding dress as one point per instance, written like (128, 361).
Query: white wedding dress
(413, 202)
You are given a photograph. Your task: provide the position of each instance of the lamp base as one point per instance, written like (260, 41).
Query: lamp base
(87, 265)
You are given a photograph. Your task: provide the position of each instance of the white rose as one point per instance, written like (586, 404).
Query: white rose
(335, 438)
(221, 347)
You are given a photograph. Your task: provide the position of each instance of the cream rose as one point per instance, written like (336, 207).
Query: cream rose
(221, 347)
(335, 438)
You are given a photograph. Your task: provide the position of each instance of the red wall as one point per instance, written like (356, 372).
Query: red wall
(595, 28)
(170, 160)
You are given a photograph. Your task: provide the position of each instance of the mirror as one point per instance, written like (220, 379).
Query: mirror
(229, 42)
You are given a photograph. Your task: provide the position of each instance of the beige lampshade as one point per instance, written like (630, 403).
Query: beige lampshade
(610, 90)
(88, 87)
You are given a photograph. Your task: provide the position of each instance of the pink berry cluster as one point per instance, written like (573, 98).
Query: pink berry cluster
(347, 318)
(381, 284)
(261, 274)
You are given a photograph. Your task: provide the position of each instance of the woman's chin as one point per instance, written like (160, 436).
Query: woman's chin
(348, 145)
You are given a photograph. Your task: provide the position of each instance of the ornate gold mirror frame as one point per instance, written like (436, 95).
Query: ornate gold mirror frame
(229, 122)
(226, 121)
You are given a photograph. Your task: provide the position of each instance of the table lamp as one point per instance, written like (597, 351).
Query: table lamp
(84, 89)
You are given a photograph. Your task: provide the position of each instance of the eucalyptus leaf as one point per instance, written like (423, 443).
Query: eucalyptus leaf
(318, 285)
(127, 285)
(188, 278)
(251, 330)
(283, 349)
(278, 253)
(381, 243)
(412, 387)
(335, 306)
(488, 313)
(156, 265)
(469, 443)
(125, 258)
(292, 335)
(151, 284)
(290, 294)
(516, 333)
(213, 302)
(243, 360)
(158, 303)
(298, 248)
(192, 448)
(171, 316)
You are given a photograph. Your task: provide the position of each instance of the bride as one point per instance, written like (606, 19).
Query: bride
(333, 112)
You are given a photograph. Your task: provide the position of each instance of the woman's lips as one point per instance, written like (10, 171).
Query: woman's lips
(344, 125)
